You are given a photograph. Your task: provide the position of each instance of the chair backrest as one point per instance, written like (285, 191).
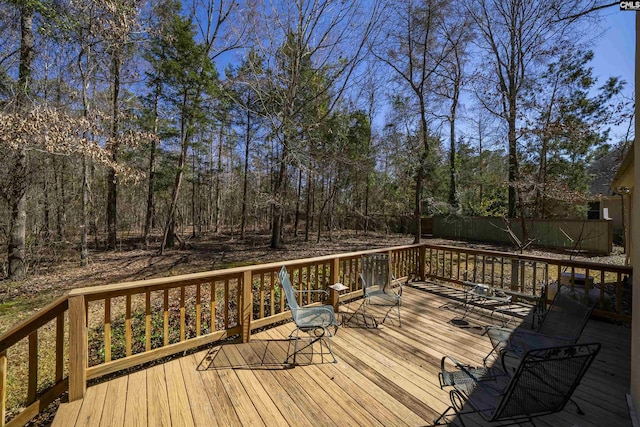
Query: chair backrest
(545, 380)
(375, 271)
(565, 317)
(285, 282)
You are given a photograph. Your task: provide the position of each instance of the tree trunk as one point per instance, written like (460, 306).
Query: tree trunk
(84, 249)
(218, 172)
(298, 194)
(169, 230)
(245, 181)
(513, 159)
(112, 183)
(453, 191)
(47, 204)
(193, 194)
(417, 213)
(152, 173)
(276, 228)
(420, 176)
(59, 178)
(18, 194)
(307, 222)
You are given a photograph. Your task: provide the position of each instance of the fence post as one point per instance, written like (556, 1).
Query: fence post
(247, 305)
(78, 351)
(422, 268)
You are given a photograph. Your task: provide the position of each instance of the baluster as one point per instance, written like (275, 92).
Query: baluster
(261, 284)
(619, 294)
(107, 329)
(182, 314)
(147, 321)
(602, 285)
(33, 367)
(127, 325)
(226, 303)
(214, 326)
(587, 287)
(246, 312)
(272, 294)
(59, 347)
(198, 309)
(3, 387)
(166, 317)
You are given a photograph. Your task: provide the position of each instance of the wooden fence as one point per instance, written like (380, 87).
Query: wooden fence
(105, 329)
(592, 236)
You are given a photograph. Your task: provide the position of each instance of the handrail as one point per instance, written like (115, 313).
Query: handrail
(625, 269)
(27, 326)
(37, 399)
(187, 311)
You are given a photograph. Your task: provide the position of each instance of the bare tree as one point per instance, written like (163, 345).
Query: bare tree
(311, 49)
(415, 51)
(457, 32)
(517, 37)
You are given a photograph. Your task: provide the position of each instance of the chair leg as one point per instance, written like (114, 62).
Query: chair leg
(442, 417)
(578, 409)
(312, 340)
(328, 344)
(295, 346)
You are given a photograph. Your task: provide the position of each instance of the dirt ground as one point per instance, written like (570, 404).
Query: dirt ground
(56, 275)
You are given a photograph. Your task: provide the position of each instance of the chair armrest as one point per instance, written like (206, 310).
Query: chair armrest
(473, 377)
(461, 366)
(311, 291)
(397, 288)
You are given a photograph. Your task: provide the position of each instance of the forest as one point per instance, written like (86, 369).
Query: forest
(160, 120)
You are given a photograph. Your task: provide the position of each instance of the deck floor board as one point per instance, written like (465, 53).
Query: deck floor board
(385, 376)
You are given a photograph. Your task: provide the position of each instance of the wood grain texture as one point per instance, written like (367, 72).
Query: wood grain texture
(77, 348)
(385, 376)
(115, 405)
(136, 408)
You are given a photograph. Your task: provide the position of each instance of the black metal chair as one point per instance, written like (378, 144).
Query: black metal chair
(542, 384)
(562, 324)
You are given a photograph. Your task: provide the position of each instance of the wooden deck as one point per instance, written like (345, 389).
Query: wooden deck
(385, 376)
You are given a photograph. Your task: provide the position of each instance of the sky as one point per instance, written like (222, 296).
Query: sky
(614, 52)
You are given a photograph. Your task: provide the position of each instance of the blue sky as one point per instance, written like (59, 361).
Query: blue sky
(614, 52)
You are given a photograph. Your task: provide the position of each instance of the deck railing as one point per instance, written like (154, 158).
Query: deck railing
(42, 384)
(608, 286)
(104, 329)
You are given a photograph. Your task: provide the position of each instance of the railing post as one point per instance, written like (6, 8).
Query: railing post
(246, 312)
(334, 296)
(422, 268)
(3, 387)
(515, 274)
(78, 351)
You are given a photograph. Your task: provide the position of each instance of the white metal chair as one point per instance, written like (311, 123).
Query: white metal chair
(377, 284)
(317, 321)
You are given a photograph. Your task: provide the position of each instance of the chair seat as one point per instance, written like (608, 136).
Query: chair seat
(379, 297)
(314, 317)
(449, 378)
